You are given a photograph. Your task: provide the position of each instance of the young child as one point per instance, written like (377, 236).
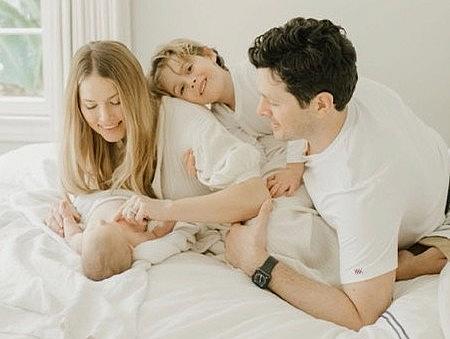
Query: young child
(197, 73)
(106, 246)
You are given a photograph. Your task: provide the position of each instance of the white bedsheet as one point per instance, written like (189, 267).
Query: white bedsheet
(44, 295)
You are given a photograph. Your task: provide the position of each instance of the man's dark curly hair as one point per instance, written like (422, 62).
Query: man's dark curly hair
(310, 56)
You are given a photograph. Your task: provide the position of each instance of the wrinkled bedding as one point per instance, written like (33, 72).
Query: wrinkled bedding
(43, 293)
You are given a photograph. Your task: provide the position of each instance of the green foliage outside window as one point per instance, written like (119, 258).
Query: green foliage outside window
(20, 54)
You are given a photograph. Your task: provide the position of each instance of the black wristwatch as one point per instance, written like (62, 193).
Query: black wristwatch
(262, 275)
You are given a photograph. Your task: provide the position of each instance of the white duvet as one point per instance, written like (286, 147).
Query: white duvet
(44, 295)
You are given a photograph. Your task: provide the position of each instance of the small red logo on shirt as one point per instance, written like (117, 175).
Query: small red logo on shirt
(358, 271)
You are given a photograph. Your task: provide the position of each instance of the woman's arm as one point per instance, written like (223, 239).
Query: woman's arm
(235, 203)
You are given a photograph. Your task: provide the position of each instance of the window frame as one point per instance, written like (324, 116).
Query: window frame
(34, 119)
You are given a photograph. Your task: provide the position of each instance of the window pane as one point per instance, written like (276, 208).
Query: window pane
(20, 13)
(21, 65)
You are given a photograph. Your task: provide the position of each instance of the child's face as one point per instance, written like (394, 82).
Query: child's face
(199, 79)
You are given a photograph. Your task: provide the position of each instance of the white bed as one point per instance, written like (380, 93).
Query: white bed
(44, 295)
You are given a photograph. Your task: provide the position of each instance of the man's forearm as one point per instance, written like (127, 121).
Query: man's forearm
(236, 203)
(317, 299)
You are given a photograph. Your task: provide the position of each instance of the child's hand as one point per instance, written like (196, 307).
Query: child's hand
(286, 181)
(189, 163)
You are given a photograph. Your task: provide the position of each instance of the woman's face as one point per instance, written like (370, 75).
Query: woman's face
(101, 107)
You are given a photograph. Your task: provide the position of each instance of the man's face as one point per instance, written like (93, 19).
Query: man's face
(288, 120)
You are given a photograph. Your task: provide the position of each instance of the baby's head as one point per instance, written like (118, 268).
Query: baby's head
(106, 251)
(188, 70)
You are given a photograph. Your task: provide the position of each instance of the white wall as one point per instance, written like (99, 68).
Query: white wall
(404, 44)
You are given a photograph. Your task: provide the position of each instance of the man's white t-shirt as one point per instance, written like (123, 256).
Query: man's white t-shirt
(382, 183)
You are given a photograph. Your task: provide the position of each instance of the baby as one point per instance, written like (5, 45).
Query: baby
(106, 246)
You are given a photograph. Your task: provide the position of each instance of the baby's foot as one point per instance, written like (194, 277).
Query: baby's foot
(410, 266)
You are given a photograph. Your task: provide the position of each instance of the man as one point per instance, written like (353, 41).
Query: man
(375, 172)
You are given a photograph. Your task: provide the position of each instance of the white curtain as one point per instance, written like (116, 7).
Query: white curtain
(87, 20)
(100, 20)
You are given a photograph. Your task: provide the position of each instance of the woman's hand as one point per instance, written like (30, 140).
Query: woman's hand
(139, 209)
(60, 211)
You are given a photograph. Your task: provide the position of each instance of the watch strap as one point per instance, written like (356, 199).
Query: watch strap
(268, 265)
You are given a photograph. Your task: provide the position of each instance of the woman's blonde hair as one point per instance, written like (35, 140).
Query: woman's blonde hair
(90, 163)
(177, 48)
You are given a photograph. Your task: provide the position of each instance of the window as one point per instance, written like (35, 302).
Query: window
(30, 69)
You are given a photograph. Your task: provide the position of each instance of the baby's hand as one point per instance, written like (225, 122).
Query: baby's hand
(164, 228)
(285, 181)
(189, 163)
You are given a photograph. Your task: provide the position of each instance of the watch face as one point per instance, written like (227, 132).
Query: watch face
(261, 278)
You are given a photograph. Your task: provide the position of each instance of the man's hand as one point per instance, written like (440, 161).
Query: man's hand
(285, 181)
(139, 209)
(245, 246)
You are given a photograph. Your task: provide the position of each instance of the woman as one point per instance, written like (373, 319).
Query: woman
(108, 138)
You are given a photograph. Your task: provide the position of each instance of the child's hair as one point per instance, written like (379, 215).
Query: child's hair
(105, 253)
(177, 48)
